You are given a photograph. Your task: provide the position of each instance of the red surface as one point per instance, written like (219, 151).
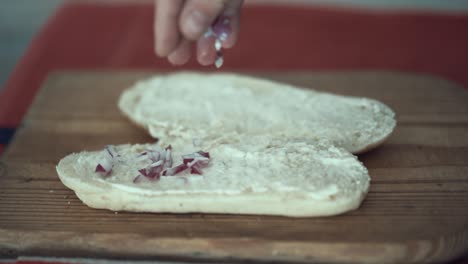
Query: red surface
(92, 36)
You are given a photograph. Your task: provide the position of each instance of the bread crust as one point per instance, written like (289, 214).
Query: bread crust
(335, 193)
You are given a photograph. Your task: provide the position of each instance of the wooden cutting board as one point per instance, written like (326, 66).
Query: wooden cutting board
(417, 208)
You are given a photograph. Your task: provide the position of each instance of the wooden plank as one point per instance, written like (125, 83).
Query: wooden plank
(415, 211)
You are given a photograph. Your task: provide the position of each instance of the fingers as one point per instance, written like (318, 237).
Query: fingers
(228, 24)
(206, 54)
(198, 15)
(232, 11)
(179, 22)
(181, 54)
(166, 26)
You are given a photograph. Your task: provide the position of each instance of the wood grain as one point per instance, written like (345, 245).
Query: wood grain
(417, 208)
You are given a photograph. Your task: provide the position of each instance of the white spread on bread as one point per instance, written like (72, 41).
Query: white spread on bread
(208, 107)
(277, 166)
(273, 149)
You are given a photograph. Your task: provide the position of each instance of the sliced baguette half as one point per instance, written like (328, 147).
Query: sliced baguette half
(192, 106)
(298, 178)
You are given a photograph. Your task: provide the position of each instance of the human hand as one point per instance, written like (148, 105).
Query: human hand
(179, 23)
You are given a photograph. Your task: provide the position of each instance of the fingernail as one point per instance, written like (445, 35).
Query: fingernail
(203, 58)
(158, 53)
(157, 50)
(195, 23)
(172, 59)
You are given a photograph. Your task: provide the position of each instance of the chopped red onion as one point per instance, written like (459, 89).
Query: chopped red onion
(222, 27)
(143, 172)
(152, 173)
(189, 156)
(161, 163)
(142, 154)
(199, 161)
(104, 168)
(203, 154)
(196, 160)
(196, 157)
(174, 170)
(220, 30)
(157, 163)
(154, 155)
(156, 173)
(219, 59)
(100, 169)
(111, 150)
(153, 170)
(195, 170)
(137, 179)
(168, 157)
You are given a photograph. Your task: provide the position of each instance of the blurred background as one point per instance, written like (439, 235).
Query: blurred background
(21, 19)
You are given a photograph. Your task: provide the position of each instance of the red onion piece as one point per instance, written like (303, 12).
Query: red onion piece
(200, 154)
(111, 150)
(195, 170)
(101, 170)
(219, 60)
(220, 30)
(152, 173)
(222, 27)
(104, 168)
(199, 161)
(168, 157)
(187, 160)
(157, 163)
(196, 161)
(137, 179)
(143, 172)
(174, 170)
(154, 156)
(161, 163)
(203, 154)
